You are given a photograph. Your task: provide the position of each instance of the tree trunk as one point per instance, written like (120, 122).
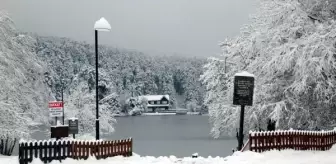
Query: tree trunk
(1, 146)
(13, 145)
(7, 146)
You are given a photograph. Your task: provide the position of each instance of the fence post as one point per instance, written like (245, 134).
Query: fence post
(250, 143)
(25, 152)
(35, 150)
(20, 153)
(113, 148)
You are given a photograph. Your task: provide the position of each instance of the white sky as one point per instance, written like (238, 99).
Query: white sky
(187, 27)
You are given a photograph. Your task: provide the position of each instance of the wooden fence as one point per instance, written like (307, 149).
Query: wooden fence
(297, 140)
(76, 149)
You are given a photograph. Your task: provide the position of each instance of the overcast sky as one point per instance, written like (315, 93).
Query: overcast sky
(187, 27)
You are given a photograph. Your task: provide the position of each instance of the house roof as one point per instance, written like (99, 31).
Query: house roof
(155, 97)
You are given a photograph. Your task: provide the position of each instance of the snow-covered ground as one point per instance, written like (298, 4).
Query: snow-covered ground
(271, 157)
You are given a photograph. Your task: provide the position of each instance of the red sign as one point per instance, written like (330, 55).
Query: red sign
(56, 104)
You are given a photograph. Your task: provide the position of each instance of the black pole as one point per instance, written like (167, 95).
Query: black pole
(241, 137)
(225, 65)
(97, 107)
(63, 102)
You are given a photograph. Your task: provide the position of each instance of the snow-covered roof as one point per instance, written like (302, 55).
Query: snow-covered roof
(244, 73)
(155, 97)
(102, 25)
(73, 118)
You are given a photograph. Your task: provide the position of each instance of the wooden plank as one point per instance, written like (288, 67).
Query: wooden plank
(131, 147)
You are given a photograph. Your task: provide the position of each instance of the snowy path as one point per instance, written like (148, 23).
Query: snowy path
(272, 157)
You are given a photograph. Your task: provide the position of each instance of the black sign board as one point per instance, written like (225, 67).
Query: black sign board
(73, 126)
(243, 90)
(59, 131)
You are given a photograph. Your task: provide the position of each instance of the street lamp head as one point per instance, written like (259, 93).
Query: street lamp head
(102, 25)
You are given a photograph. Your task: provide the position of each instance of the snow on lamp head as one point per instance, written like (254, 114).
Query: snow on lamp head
(102, 25)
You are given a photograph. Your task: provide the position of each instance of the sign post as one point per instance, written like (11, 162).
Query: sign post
(55, 109)
(243, 95)
(73, 126)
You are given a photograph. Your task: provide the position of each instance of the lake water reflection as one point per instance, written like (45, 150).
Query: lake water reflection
(180, 135)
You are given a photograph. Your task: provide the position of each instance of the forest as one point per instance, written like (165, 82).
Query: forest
(122, 72)
(38, 69)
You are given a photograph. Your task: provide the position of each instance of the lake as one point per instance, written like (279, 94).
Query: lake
(179, 135)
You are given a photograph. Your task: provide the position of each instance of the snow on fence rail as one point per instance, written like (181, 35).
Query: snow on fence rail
(291, 139)
(76, 149)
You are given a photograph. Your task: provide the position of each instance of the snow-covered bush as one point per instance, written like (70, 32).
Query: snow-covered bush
(192, 106)
(135, 111)
(137, 104)
(290, 47)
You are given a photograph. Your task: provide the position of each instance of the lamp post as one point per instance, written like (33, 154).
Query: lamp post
(62, 81)
(100, 25)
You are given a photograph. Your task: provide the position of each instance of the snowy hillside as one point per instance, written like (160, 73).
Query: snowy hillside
(24, 93)
(123, 72)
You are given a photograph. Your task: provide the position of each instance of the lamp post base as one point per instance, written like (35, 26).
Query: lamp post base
(97, 129)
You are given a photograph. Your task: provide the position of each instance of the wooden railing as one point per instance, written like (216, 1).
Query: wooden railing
(47, 151)
(246, 146)
(291, 139)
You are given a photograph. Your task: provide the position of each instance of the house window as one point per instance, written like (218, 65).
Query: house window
(155, 102)
(164, 102)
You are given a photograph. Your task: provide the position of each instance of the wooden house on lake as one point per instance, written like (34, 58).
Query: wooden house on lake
(157, 103)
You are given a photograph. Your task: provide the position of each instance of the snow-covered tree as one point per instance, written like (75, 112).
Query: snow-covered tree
(81, 104)
(24, 93)
(136, 105)
(289, 47)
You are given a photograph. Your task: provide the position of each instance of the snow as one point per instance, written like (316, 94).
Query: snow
(59, 125)
(274, 157)
(291, 131)
(155, 97)
(192, 113)
(102, 25)
(158, 114)
(73, 118)
(167, 114)
(244, 73)
(85, 136)
(157, 105)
